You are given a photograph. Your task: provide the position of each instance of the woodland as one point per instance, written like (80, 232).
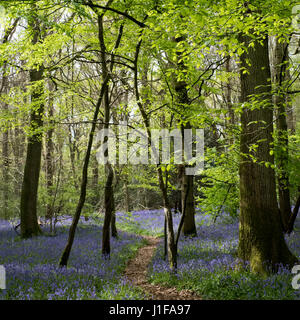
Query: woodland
(74, 227)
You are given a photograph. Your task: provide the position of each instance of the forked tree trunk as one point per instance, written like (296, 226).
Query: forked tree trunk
(261, 239)
(66, 253)
(109, 187)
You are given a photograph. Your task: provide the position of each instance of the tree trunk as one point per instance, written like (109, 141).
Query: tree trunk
(294, 214)
(189, 225)
(66, 253)
(108, 193)
(49, 160)
(127, 194)
(114, 231)
(5, 168)
(228, 101)
(279, 64)
(172, 252)
(261, 239)
(108, 198)
(187, 181)
(8, 32)
(18, 150)
(29, 193)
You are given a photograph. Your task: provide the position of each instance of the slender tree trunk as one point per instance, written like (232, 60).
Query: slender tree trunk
(172, 253)
(114, 231)
(165, 239)
(279, 68)
(228, 100)
(18, 150)
(108, 192)
(8, 32)
(127, 194)
(5, 156)
(95, 182)
(5, 168)
(290, 113)
(103, 94)
(294, 214)
(72, 148)
(109, 207)
(261, 239)
(49, 160)
(66, 253)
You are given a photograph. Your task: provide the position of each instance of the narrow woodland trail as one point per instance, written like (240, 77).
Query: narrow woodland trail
(136, 272)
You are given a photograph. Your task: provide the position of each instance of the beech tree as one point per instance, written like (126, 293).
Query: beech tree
(261, 239)
(28, 208)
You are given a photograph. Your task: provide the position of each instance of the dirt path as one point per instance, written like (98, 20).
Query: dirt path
(136, 272)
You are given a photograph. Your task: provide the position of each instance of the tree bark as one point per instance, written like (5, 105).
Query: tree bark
(108, 192)
(187, 181)
(49, 159)
(279, 64)
(261, 239)
(127, 194)
(114, 231)
(8, 32)
(109, 207)
(29, 193)
(228, 100)
(188, 202)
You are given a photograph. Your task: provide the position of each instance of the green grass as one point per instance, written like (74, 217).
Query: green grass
(229, 285)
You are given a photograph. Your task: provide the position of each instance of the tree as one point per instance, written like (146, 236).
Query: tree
(261, 238)
(280, 75)
(5, 139)
(49, 155)
(28, 208)
(171, 246)
(109, 200)
(187, 181)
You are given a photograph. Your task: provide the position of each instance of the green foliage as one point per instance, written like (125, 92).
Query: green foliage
(219, 187)
(294, 166)
(231, 285)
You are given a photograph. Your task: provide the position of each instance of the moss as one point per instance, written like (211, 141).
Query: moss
(257, 262)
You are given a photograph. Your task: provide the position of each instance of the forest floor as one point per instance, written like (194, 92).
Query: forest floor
(137, 269)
